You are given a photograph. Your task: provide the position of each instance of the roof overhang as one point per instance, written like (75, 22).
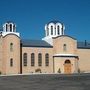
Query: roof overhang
(66, 55)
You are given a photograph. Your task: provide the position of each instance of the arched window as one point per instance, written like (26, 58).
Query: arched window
(11, 47)
(10, 27)
(11, 62)
(25, 59)
(58, 29)
(39, 59)
(6, 27)
(47, 59)
(14, 28)
(32, 59)
(51, 30)
(67, 62)
(64, 47)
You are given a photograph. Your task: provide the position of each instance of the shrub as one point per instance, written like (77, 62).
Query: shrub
(59, 71)
(79, 70)
(38, 70)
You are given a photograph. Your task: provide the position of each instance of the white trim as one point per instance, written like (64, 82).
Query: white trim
(65, 55)
(5, 33)
(48, 40)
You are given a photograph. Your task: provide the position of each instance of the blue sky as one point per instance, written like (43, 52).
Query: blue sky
(31, 16)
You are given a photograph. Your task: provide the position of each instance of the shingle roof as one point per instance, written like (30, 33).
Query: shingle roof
(35, 43)
(42, 43)
(83, 45)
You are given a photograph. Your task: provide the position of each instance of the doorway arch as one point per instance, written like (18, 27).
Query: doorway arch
(67, 66)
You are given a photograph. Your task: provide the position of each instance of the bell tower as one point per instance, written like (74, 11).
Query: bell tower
(53, 29)
(11, 49)
(9, 28)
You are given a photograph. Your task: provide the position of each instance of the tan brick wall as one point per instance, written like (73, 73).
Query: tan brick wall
(60, 41)
(84, 60)
(60, 61)
(44, 69)
(71, 48)
(7, 54)
(1, 53)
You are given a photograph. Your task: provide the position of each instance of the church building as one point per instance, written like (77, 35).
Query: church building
(55, 53)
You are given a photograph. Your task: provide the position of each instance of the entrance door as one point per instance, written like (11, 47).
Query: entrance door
(67, 67)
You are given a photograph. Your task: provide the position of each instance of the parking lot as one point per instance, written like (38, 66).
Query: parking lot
(45, 82)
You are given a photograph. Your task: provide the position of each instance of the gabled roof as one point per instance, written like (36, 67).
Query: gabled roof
(83, 45)
(35, 43)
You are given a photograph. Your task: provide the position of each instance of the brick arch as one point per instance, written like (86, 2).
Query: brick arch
(67, 61)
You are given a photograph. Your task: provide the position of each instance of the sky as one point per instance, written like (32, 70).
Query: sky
(31, 16)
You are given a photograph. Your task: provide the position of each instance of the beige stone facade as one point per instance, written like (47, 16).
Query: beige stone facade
(36, 51)
(63, 54)
(7, 54)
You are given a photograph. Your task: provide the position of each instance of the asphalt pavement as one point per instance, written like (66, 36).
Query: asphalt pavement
(45, 82)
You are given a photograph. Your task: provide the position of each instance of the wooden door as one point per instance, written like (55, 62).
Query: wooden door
(67, 68)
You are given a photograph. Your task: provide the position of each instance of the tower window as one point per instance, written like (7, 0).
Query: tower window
(51, 30)
(58, 27)
(6, 27)
(32, 59)
(47, 59)
(64, 47)
(10, 27)
(11, 47)
(11, 62)
(39, 59)
(25, 59)
(14, 28)
(58, 30)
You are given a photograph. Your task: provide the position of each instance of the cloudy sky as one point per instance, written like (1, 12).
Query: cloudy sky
(31, 16)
